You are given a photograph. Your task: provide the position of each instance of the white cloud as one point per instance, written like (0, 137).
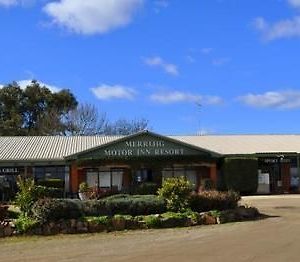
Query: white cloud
(287, 28)
(24, 83)
(157, 61)
(289, 99)
(206, 50)
(9, 3)
(220, 61)
(179, 97)
(294, 3)
(92, 16)
(160, 4)
(107, 92)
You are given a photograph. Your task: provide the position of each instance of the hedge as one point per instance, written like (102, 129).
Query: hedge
(53, 182)
(214, 200)
(241, 175)
(55, 209)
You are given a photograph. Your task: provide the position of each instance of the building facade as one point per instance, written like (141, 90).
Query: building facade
(122, 162)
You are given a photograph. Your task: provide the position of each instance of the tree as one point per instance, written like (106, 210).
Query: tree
(34, 110)
(86, 120)
(11, 110)
(126, 127)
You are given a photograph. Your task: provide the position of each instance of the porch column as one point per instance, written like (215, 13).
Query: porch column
(213, 175)
(74, 180)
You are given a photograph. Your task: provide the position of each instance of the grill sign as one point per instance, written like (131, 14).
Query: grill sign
(9, 170)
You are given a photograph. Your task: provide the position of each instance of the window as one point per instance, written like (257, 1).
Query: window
(105, 178)
(189, 174)
(49, 172)
(143, 175)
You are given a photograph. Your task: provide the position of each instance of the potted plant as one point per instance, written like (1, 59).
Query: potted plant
(83, 190)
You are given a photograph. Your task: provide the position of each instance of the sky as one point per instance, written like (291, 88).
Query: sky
(189, 67)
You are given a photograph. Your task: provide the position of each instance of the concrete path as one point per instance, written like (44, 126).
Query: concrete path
(274, 239)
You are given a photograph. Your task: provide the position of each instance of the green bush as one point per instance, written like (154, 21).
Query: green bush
(47, 209)
(153, 221)
(50, 192)
(101, 220)
(53, 182)
(24, 223)
(27, 194)
(55, 209)
(241, 175)
(148, 188)
(214, 200)
(176, 192)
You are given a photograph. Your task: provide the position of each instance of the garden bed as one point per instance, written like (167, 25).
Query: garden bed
(127, 222)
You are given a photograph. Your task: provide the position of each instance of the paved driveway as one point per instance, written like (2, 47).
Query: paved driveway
(274, 239)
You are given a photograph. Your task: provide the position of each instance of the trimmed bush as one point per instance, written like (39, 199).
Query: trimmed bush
(53, 182)
(241, 175)
(176, 192)
(55, 209)
(214, 200)
(148, 188)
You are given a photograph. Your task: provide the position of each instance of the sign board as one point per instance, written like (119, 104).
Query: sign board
(9, 171)
(144, 145)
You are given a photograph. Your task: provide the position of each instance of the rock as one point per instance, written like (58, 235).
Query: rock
(1, 231)
(208, 219)
(46, 230)
(81, 227)
(227, 216)
(118, 223)
(8, 231)
(73, 223)
(246, 213)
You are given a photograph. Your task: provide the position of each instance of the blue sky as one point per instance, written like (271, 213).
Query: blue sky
(209, 66)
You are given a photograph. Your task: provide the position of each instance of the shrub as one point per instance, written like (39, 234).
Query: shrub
(47, 209)
(134, 205)
(53, 182)
(214, 200)
(241, 175)
(148, 188)
(55, 209)
(171, 219)
(176, 192)
(27, 194)
(83, 187)
(50, 192)
(24, 223)
(101, 220)
(153, 221)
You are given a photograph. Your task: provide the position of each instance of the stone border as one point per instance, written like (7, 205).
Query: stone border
(119, 223)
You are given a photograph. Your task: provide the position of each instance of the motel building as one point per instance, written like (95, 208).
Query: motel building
(120, 162)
